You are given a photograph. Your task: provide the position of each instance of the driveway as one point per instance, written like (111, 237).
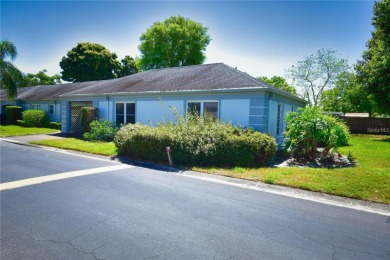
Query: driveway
(58, 205)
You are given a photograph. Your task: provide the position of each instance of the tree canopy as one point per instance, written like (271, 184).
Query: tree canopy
(175, 42)
(279, 82)
(128, 66)
(10, 76)
(374, 69)
(348, 96)
(317, 73)
(89, 61)
(41, 78)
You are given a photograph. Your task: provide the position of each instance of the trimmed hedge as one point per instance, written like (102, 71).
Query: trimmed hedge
(35, 118)
(88, 114)
(54, 125)
(196, 141)
(13, 114)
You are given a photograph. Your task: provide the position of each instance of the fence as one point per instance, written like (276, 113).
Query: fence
(368, 125)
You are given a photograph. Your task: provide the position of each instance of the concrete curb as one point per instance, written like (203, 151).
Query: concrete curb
(361, 205)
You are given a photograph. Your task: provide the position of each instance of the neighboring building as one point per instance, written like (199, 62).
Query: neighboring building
(146, 97)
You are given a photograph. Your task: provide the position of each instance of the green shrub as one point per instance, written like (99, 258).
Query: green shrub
(12, 114)
(54, 125)
(100, 131)
(35, 118)
(309, 128)
(88, 114)
(196, 141)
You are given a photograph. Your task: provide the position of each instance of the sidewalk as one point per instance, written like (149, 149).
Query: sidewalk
(31, 138)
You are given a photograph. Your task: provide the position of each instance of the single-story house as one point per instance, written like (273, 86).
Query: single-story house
(146, 97)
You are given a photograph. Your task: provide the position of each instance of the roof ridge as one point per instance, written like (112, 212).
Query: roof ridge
(253, 79)
(185, 66)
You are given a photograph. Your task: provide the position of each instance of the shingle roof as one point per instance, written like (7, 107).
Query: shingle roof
(198, 77)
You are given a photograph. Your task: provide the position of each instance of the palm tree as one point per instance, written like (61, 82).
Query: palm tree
(10, 77)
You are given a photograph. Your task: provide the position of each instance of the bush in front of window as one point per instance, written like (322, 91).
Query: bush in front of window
(203, 141)
(102, 130)
(35, 118)
(12, 114)
(88, 114)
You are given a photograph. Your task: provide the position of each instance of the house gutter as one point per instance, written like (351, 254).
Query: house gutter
(207, 91)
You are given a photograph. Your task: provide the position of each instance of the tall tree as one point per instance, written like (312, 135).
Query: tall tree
(128, 66)
(177, 41)
(317, 73)
(279, 82)
(348, 96)
(374, 69)
(89, 61)
(10, 76)
(41, 78)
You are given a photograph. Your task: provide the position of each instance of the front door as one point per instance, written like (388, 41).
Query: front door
(75, 114)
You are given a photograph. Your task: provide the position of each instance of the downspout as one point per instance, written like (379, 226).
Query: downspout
(108, 107)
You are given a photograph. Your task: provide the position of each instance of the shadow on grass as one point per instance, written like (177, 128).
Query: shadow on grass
(69, 135)
(145, 164)
(385, 139)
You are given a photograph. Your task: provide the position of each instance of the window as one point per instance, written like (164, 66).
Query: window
(51, 109)
(279, 120)
(206, 108)
(125, 113)
(36, 106)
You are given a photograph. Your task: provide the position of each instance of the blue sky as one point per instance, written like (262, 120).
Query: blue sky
(262, 38)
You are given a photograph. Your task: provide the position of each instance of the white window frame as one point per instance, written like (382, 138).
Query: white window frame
(125, 111)
(202, 105)
(36, 106)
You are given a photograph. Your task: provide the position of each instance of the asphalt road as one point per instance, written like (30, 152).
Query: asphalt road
(62, 206)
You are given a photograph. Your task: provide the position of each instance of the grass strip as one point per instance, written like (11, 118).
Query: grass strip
(14, 130)
(101, 148)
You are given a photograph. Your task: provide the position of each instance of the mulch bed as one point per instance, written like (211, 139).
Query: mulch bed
(335, 160)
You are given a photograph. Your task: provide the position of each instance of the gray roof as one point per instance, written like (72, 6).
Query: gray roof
(216, 76)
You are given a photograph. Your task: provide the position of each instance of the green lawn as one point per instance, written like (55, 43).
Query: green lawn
(101, 148)
(14, 130)
(369, 180)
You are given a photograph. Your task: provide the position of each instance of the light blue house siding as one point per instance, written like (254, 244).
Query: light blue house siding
(256, 109)
(52, 108)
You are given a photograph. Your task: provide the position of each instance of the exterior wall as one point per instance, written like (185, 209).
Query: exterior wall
(236, 111)
(258, 113)
(287, 105)
(256, 109)
(241, 109)
(152, 112)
